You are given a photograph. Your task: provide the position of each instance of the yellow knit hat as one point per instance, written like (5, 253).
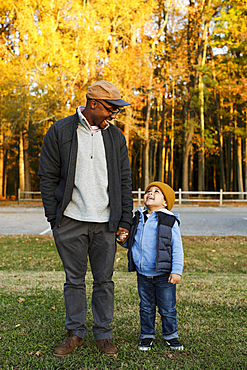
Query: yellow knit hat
(168, 192)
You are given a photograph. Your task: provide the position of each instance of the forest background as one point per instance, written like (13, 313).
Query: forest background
(181, 64)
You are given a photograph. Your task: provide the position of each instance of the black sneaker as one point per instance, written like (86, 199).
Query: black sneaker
(145, 344)
(175, 344)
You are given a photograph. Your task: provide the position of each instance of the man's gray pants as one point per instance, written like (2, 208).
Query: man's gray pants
(74, 241)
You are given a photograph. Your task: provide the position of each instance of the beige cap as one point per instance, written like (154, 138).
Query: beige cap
(166, 190)
(105, 90)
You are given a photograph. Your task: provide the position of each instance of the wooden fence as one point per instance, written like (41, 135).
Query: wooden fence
(182, 197)
(219, 197)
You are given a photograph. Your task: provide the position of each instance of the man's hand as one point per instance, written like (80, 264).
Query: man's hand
(122, 235)
(174, 279)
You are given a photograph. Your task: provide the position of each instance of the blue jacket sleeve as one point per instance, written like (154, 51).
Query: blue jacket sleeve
(177, 250)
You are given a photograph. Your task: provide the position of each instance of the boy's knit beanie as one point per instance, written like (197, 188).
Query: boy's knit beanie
(166, 190)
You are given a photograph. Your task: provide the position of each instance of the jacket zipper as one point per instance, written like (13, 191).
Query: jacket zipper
(141, 244)
(92, 146)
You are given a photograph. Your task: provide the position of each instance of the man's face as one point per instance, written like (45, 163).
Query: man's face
(103, 113)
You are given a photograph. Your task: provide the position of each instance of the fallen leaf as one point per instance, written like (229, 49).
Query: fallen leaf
(53, 308)
(38, 354)
(115, 356)
(20, 300)
(171, 355)
(17, 326)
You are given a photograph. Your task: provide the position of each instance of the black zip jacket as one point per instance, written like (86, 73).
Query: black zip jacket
(57, 172)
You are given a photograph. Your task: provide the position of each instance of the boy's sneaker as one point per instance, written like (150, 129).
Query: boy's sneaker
(175, 344)
(145, 344)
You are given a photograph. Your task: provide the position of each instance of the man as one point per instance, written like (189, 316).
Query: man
(86, 190)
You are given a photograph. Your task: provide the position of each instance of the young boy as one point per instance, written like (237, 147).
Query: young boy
(156, 253)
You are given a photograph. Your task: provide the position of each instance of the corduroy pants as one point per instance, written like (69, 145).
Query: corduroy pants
(75, 241)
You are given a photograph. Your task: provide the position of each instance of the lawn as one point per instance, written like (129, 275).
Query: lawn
(211, 304)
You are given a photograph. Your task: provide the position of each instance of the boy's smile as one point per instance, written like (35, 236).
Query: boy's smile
(154, 199)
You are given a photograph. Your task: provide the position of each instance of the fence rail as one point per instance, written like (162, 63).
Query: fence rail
(202, 196)
(21, 199)
(190, 196)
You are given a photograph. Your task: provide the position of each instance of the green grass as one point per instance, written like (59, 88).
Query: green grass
(211, 305)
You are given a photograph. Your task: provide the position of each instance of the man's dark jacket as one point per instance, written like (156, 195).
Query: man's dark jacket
(57, 172)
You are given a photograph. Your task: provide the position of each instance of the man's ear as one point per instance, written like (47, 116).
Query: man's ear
(93, 104)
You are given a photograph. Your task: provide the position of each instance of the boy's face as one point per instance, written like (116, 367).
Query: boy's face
(154, 199)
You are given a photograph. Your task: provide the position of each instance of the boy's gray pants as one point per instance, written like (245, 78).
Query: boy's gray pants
(74, 241)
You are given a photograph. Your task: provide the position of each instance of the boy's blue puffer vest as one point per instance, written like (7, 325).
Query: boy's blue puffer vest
(163, 245)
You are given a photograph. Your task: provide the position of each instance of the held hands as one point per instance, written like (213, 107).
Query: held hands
(122, 235)
(174, 279)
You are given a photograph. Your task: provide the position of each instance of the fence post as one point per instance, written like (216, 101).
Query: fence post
(139, 197)
(19, 196)
(180, 196)
(221, 197)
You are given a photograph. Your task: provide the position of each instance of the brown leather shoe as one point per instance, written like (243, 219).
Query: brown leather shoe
(68, 345)
(107, 347)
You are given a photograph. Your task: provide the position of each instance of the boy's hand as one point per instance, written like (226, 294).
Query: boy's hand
(122, 235)
(174, 279)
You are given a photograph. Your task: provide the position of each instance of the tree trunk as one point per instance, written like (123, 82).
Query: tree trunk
(191, 168)
(201, 164)
(26, 161)
(21, 164)
(161, 146)
(172, 135)
(156, 144)
(239, 167)
(229, 169)
(187, 147)
(202, 61)
(245, 166)
(219, 136)
(188, 116)
(186, 159)
(5, 173)
(151, 147)
(146, 182)
(245, 156)
(146, 176)
(1, 165)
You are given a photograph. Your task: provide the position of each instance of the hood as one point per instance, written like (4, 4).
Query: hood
(164, 210)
